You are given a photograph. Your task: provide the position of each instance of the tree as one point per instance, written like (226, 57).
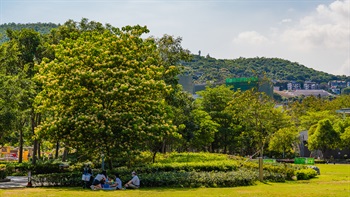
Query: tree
(255, 113)
(17, 60)
(345, 137)
(8, 108)
(204, 130)
(284, 140)
(214, 101)
(105, 93)
(312, 118)
(324, 137)
(345, 91)
(171, 55)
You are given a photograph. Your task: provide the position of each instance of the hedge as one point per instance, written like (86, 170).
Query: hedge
(3, 172)
(170, 179)
(72, 179)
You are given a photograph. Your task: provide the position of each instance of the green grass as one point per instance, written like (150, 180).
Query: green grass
(334, 181)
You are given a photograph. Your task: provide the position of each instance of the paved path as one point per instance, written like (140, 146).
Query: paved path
(16, 182)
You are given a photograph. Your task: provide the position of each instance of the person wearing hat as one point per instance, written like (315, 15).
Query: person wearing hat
(134, 183)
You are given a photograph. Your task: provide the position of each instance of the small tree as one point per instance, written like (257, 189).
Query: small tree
(284, 140)
(345, 138)
(324, 137)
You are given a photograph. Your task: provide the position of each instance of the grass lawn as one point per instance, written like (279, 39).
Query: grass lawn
(333, 181)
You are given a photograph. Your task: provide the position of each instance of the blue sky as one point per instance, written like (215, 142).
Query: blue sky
(315, 33)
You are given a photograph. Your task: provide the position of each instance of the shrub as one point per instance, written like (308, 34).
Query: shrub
(3, 173)
(305, 174)
(67, 179)
(191, 157)
(320, 161)
(223, 166)
(198, 179)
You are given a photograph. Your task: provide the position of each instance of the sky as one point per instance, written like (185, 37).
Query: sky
(314, 33)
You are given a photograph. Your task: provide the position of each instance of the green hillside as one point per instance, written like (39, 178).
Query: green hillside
(42, 28)
(210, 69)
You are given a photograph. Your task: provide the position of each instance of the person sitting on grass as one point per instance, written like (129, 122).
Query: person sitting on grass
(134, 183)
(118, 183)
(99, 181)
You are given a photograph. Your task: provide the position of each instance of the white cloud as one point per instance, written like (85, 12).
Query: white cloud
(251, 38)
(328, 27)
(286, 20)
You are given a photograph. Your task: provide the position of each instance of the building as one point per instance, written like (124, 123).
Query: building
(247, 83)
(293, 86)
(305, 152)
(309, 85)
(336, 86)
(296, 93)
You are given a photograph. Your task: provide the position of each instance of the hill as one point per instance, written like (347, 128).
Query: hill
(42, 28)
(210, 69)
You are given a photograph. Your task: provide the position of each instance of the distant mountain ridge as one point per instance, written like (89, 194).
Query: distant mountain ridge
(205, 69)
(42, 28)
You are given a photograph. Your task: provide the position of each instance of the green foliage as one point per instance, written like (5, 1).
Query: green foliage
(345, 138)
(217, 70)
(190, 179)
(42, 28)
(193, 166)
(214, 101)
(312, 118)
(3, 173)
(346, 91)
(68, 179)
(256, 118)
(191, 157)
(284, 140)
(104, 91)
(21, 169)
(324, 137)
(199, 179)
(305, 174)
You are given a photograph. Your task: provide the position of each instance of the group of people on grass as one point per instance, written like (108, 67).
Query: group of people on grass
(102, 181)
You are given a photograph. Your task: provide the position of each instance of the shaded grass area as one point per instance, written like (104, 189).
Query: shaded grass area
(333, 181)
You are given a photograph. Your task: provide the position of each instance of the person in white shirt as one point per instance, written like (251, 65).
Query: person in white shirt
(134, 183)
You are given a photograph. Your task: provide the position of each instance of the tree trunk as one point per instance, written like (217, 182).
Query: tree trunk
(20, 155)
(35, 148)
(65, 154)
(154, 156)
(57, 149)
(39, 152)
(32, 121)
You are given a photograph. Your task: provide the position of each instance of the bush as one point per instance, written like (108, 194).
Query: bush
(287, 169)
(190, 157)
(305, 174)
(3, 173)
(224, 166)
(169, 179)
(198, 179)
(67, 179)
(320, 161)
